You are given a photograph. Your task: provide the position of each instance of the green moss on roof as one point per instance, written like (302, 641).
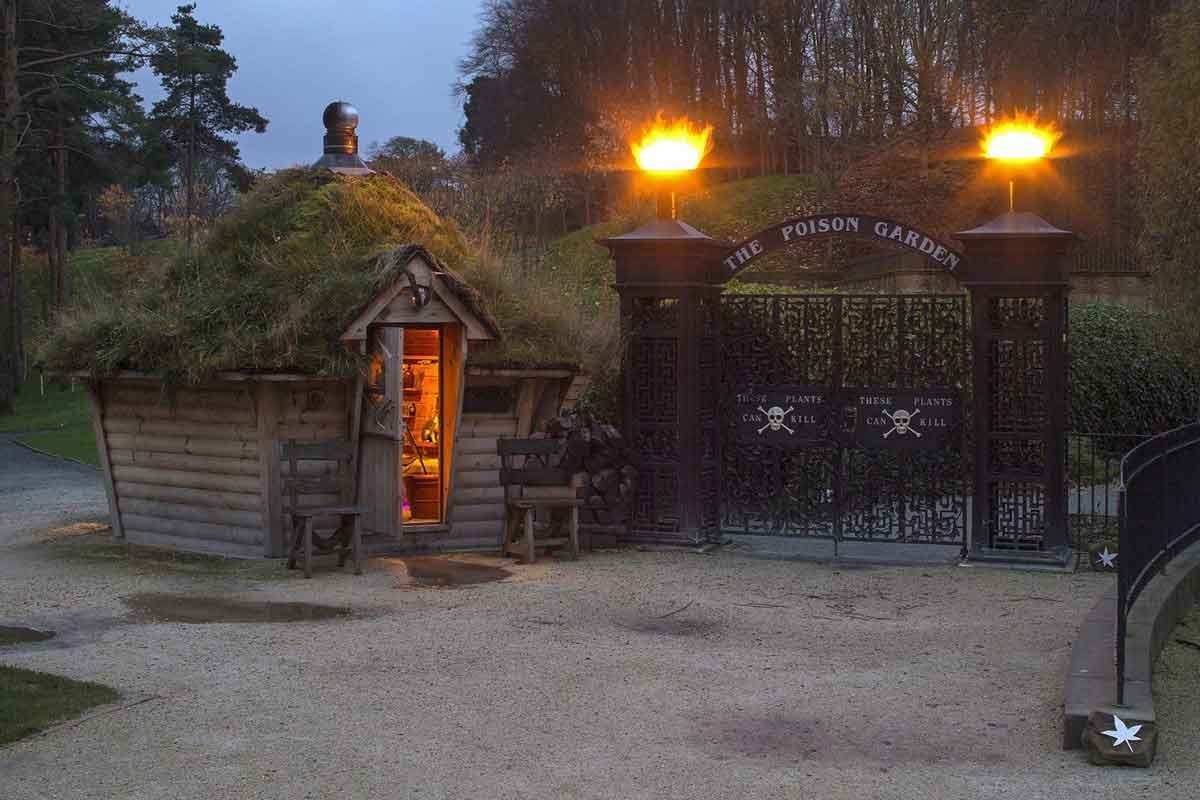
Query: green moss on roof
(272, 286)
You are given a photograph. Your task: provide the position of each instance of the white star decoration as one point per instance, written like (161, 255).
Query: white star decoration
(1123, 735)
(1107, 559)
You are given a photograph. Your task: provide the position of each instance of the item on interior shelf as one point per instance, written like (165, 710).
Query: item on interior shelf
(431, 430)
(406, 511)
(410, 377)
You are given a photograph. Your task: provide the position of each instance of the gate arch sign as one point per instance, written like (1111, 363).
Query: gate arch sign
(818, 226)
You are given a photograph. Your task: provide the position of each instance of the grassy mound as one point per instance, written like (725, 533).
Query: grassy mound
(269, 289)
(730, 211)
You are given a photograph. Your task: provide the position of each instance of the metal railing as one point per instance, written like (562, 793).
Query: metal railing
(1093, 487)
(1106, 260)
(1160, 516)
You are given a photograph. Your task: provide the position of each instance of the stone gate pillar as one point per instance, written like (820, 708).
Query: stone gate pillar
(1016, 270)
(668, 277)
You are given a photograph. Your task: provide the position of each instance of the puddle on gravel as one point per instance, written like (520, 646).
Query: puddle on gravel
(683, 621)
(850, 738)
(195, 609)
(433, 571)
(10, 635)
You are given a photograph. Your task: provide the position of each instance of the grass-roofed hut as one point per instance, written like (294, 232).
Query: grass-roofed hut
(308, 315)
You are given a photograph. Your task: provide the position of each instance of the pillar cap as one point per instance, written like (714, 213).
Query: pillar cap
(663, 230)
(1016, 225)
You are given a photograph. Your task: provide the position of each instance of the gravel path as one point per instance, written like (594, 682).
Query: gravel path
(38, 491)
(623, 675)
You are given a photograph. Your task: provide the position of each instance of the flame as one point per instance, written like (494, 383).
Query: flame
(1020, 139)
(678, 146)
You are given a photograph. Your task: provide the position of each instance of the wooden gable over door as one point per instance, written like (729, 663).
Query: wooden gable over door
(447, 303)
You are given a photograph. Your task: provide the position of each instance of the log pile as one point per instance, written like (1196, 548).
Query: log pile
(607, 464)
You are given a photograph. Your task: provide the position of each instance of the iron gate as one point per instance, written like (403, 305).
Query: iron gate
(845, 416)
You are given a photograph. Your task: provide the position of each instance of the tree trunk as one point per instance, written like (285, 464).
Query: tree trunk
(190, 165)
(11, 106)
(18, 304)
(60, 203)
(54, 255)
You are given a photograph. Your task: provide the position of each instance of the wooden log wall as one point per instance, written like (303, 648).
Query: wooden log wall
(477, 508)
(200, 472)
(477, 504)
(303, 412)
(185, 475)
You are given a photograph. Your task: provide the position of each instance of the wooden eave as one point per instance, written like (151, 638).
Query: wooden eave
(478, 330)
(229, 375)
(515, 372)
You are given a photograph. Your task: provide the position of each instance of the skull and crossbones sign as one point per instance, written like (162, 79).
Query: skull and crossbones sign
(902, 423)
(775, 417)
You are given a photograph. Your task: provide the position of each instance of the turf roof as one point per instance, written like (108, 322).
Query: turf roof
(275, 283)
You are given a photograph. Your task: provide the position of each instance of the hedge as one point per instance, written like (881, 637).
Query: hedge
(1124, 377)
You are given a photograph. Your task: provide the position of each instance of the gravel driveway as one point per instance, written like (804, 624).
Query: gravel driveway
(623, 675)
(37, 491)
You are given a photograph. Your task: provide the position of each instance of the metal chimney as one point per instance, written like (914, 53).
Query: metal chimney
(341, 140)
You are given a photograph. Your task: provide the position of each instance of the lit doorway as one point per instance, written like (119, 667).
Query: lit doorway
(422, 461)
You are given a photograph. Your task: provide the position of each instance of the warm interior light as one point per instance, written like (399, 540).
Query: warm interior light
(1019, 139)
(677, 146)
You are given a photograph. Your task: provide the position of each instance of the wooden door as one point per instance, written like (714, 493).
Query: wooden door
(382, 433)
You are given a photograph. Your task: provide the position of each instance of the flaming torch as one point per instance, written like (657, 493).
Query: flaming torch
(1016, 142)
(667, 151)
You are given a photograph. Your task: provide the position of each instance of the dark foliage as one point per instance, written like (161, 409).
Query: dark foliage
(1124, 378)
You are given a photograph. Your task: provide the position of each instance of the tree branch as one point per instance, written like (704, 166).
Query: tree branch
(56, 25)
(41, 62)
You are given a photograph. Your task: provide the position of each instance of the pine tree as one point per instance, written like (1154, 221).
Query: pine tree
(76, 108)
(51, 52)
(197, 114)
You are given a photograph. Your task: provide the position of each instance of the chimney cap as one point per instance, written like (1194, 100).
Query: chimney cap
(341, 140)
(340, 115)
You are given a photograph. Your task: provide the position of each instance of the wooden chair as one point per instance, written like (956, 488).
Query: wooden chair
(532, 485)
(347, 538)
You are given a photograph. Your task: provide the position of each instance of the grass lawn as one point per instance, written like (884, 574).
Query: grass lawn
(9, 635)
(57, 422)
(60, 407)
(30, 701)
(76, 441)
(57, 413)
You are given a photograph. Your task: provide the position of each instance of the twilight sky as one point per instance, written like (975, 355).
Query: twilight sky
(393, 59)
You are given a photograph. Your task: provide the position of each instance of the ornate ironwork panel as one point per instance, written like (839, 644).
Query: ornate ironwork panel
(1016, 312)
(1018, 341)
(655, 428)
(708, 408)
(655, 315)
(828, 486)
(1018, 373)
(1018, 514)
(766, 339)
(655, 399)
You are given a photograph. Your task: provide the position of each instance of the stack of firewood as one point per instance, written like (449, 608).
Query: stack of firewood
(607, 466)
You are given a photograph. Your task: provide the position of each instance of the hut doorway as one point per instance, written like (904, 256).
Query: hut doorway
(409, 416)
(421, 426)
